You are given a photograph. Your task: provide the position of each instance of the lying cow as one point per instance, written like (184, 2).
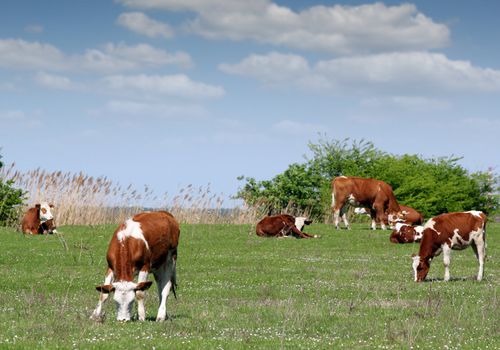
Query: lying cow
(283, 225)
(404, 233)
(451, 231)
(145, 243)
(39, 220)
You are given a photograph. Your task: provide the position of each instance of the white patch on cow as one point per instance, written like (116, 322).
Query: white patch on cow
(45, 212)
(475, 213)
(416, 262)
(352, 200)
(419, 233)
(430, 224)
(299, 222)
(124, 297)
(360, 211)
(399, 225)
(132, 229)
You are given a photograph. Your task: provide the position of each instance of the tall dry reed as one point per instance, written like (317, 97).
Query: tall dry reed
(81, 199)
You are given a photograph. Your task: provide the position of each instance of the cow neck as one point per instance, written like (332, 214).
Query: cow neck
(124, 270)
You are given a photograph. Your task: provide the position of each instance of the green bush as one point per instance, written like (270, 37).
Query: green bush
(11, 200)
(432, 186)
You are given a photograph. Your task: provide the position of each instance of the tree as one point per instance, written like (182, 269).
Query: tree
(10, 200)
(432, 186)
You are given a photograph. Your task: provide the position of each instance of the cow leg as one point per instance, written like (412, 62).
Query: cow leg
(165, 276)
(479, 251)
(139, 295)
(103, 296)
(446, 261)
(336, 214)
(379, 215)
(344, 217)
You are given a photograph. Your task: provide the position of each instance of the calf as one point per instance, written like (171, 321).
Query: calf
(39, 220)
(145, 243)
(283, 225)
(450, 231)
(404, 233)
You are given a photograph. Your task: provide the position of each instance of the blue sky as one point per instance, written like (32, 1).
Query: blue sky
(175, 92)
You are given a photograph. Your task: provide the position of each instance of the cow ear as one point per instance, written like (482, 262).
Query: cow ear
(143, 285)
(105, 288)
(37, 205)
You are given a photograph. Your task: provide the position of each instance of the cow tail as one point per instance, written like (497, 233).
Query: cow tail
(333, 195)
(172, 258)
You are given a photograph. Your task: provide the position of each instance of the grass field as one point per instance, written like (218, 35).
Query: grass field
(346, 290)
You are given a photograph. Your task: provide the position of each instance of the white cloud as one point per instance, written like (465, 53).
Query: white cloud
(53, 81)
(339, 29)
(140, 23)
(33, 29)
(272, 68)
(408, 73)
(12, 115)
(297, 128)
(178, 85)
(144, 54)
(133, 108)
(407, 102)
(21, 54)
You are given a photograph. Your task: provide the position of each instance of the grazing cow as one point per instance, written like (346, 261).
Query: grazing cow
(451, 231)
(409, 215)
(283, 225)
(39, 220)
(368, 193)
(145, 243)
(404, 233)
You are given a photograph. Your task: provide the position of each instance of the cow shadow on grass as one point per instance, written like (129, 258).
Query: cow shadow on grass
(452, 279)
(171, 318)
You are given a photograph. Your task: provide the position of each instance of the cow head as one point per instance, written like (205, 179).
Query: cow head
(403, 233)
(124, 296)
(44, 211)
(300, 221)
(420, 267)
(395, 217)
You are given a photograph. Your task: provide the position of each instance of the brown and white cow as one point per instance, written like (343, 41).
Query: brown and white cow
(404, 233)
(145, 243)
(39, 220)
(369, 193)
(451, 231)
(409, 216)
(283, 225)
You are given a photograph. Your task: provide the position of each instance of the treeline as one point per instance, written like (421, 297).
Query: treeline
(432, 186)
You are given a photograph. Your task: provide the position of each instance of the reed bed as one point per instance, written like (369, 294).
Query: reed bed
(80, 199)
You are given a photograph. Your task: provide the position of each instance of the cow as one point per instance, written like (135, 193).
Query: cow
(451, 231)
(369, 193)
(283, 225)
(39, 220)
(410, 216)
(404, 233)
(145, 243)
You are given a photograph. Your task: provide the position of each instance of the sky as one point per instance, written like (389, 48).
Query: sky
(168, 93)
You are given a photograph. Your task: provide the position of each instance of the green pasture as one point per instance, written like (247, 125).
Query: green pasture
(345, 290)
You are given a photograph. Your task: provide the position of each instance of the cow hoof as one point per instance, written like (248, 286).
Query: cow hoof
(316, 236)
